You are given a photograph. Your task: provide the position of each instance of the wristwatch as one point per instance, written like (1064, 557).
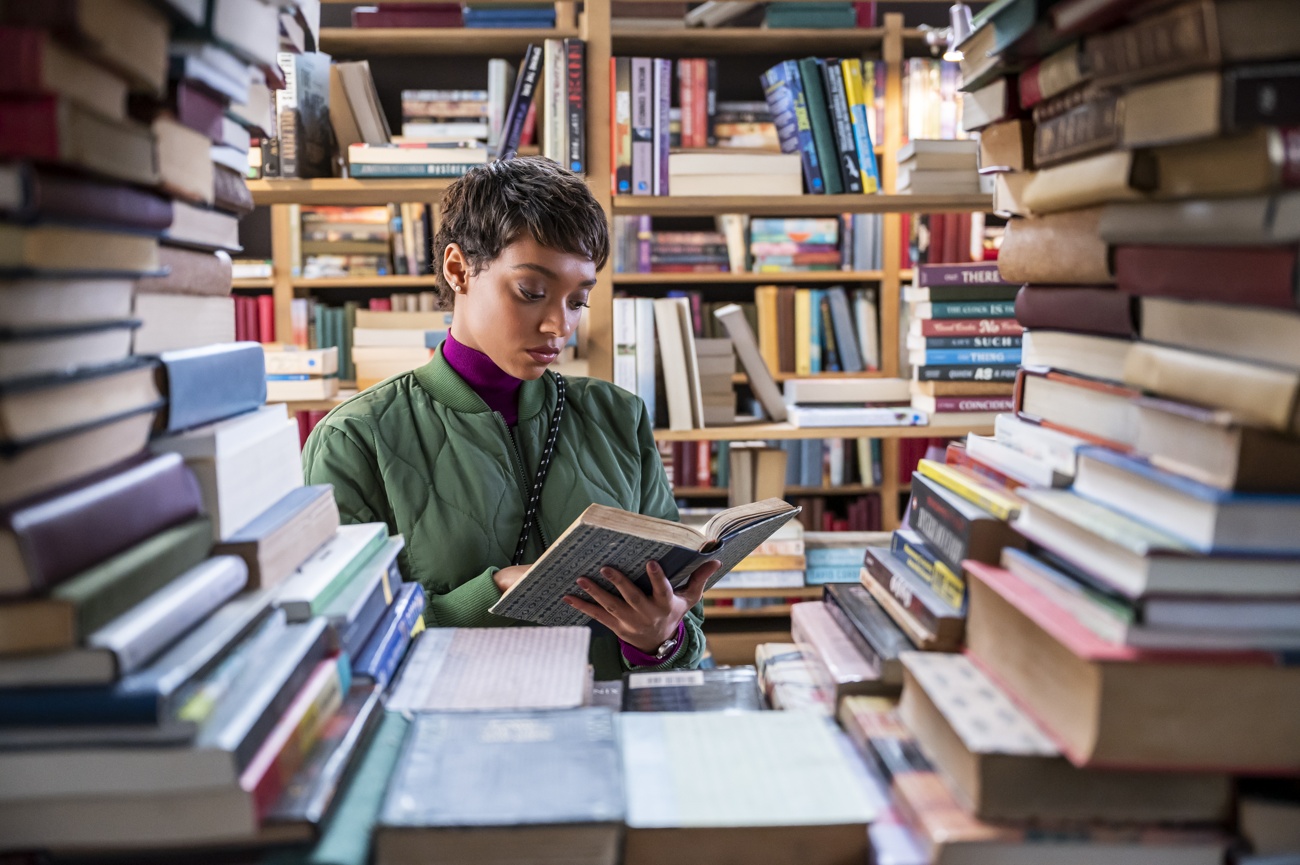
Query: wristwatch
(666, 648)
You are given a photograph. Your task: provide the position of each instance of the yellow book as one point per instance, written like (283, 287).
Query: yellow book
(771, 563)
(1002, 505)
(768, 339)
(803, 332)
(861, 107)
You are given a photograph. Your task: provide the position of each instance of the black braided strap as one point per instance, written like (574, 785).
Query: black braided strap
(543, 467)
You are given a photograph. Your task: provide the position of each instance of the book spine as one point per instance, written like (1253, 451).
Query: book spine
(855, 631)
(961, 356)
(850, 355)
(971, 326)
(973, 309)
(430, 169)
(663, 89)
(382, 654)
(1267, 95)
(576, 100)
(845, 146)
(899, 589)
(287, 116)
(711, 102)
(789, 111)
(686, 99)
(974, 403)
(643, 139)
(823, 134)
(978, 275)
(869, 169)
(621, 111)
(1180, 40)
(521, 102)
(967, 373)
(1256, 276)
(961, 294)
(1085, 129)
(555, 143)
(940, 524)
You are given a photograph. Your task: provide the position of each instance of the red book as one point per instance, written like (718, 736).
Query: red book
(702, 101)
(1247, 275)
(686, 99)
(265, 318)
(970, 327)
(530, 126)
(866, 13)
(704, 463)
(1100, 310)
(409, 15)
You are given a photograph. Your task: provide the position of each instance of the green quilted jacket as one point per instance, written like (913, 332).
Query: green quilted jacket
(424, 454)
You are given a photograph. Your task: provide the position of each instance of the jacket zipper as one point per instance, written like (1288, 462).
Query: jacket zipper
(522, 475)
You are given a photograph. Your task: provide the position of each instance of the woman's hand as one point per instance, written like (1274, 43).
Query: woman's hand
(640, 620)
(507, 577)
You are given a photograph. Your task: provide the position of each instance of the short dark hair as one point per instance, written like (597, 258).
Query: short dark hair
(493, 205)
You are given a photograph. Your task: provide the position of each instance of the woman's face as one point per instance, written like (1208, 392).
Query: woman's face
(521, 309)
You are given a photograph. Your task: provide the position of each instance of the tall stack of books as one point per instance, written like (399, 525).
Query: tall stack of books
(939, 167)
(154, 694)
(960, 337)
(782, 245)
(385, 344)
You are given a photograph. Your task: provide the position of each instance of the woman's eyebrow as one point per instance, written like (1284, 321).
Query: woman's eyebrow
(548, 273)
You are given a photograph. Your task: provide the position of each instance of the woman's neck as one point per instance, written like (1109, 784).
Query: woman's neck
(497, 388)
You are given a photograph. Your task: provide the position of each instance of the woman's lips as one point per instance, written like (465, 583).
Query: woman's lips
(543, 355)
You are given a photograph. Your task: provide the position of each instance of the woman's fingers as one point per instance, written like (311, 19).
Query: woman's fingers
(595, 611)
(615, 606)
(631, 592)
(693, 591)
(663, 590)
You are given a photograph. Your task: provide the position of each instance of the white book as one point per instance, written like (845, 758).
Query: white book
(867, 318)
(351, 543)
(225, 436)
(645, 354)
(1053, 448)
(847, 391)
(368, 336)
(834, 416)
(672, 349)
(625, 343)
(307, 389)
(301, 361)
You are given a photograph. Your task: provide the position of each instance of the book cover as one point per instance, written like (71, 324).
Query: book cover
(360, 604)
(724, 689)
(642, 123)
(319, 579)
(845, 146)
(275, 543)
(575, 103)
(957, 529)
(819, 120)
(383, 652)
(869, 627)
(211, 383)
(789, 109)
(840, 666)
(914, 592)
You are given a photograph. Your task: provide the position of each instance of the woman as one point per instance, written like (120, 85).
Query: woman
(447, 454)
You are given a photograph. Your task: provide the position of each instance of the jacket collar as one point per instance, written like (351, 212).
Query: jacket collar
(442, 383)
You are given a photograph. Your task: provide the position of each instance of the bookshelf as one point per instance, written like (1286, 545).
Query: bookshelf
(778, 431)
(889, 43)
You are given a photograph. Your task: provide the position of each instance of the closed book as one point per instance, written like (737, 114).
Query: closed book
(1101, 310)
(310, 796)
(964, 309)
(189, 271)
(846, 150)
(1083, 354)
(31, 469)
(973, 276)
(36, 305)
(947, 832)
(184, 160)
(285, 535)
(958, 529)
(1061, 248)
(459, 782)
(34, 62)
(96, 596)
(242, 27)
(1247, 333)
(488, 669)
(846, 341)
(1257, 220)
(208, 384)
(44, 195)
(788, 104)
(59, 250)
(1116, 176)
(805, 801)
(1263, 158)
(1249, 275)
(172, 322)
(238, 727)
(967, 327)
(141, 633)
(725, 689)
(203, 228)
(356, 611)
(965, 373)
(869, 626)
(53, 130)
(787, 682)
(1100, 412)
(933, 618)
(1209, 519)
(50, 539)
(1255, 395)
(1000, 503)
(840, 665)
(1242, 729)
(1001, 765)
(1207, 105)
(1056, 73)
(384, 651)
(43, 407)
(230, 192)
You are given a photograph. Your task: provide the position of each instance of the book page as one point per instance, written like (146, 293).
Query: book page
(460, 669)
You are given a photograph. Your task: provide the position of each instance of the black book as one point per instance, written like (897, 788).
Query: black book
(943, 623)
(956, 528)
(1264, 94)
(517, 109)
(838, 102)
(575, 68)
(967, 373)
(869, 627)
(718, 690)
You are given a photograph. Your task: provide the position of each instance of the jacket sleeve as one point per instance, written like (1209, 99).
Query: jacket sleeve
(657, 501)
(334, 455)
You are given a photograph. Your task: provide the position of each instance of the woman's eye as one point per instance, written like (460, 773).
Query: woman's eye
(530, 295)
(579, 304)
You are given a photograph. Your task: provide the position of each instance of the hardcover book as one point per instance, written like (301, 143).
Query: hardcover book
(208, 384)
(604, 536)
(282, 538)
(836, 662)
(919, 610)
(787, 681)
(869, 626)
(957, 528)
(724, 689)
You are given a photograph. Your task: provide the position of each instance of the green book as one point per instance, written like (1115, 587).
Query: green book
(346, 838)
(819, 117)
(347, 370)
(102, 593)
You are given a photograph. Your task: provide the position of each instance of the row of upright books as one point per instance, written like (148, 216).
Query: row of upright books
(362, 241)
(810, 463)
(470, 15)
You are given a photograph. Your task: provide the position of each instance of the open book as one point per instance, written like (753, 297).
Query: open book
(604, 536)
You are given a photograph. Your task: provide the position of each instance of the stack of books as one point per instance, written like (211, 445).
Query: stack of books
(385, 344)
(812, 16)
(841, 402)
(938, 167)
(301, 374)
(785, 245)
(837, 557)
(449, 116)
(963, 345)
(682, 252)
(745, 124)
(346, 241)
(952, 310)
(777, 563)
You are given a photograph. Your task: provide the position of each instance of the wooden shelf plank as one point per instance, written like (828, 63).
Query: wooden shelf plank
(319, 404)
(797, 205)
(779, 431)
(742, 378)
(808, 592)
(768, 612)
(347, 191)
(392, 281)
(371, 41)
(255, 282)
(685, 492)
(747, 278)
(750, 40)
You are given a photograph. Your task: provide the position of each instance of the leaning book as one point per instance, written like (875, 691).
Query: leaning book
(608, 537)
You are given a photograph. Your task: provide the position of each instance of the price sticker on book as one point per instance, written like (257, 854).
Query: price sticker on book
(673, 679)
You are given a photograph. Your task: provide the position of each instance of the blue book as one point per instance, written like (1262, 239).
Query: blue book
(971, 309)
(815, 330)
(784, 92)
(383, 652)
(474, 776)
(211, 383)
(154, 695)
(957, 356)
(360, 605)
(835, 557)
(1208, 518)
(825, 575)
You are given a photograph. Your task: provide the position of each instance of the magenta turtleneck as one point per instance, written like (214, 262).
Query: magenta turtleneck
(498, 388)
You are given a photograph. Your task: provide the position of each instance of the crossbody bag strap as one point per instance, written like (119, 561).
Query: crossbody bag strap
(543, 468)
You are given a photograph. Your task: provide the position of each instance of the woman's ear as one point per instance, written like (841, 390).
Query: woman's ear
(455, 268)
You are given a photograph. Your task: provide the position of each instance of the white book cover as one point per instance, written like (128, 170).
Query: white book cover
(217, 439)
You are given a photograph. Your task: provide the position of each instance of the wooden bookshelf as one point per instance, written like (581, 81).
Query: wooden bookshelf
(796, 205)
(811, 277)
(685, 492)
(395, 282)
(780, 431)
(810, 593)
(721, 41)
(258, 282)
(462, 41)
(347, 191)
